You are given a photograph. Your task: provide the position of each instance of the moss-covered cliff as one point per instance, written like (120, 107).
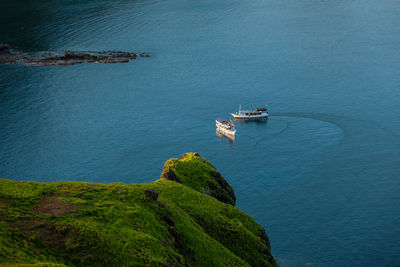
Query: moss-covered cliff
(179, 220)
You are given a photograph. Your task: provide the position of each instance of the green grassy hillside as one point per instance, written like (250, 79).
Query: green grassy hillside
(170, 222)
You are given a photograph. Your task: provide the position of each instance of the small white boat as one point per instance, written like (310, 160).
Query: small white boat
(258, 113)
(222, 135)
(225, 127)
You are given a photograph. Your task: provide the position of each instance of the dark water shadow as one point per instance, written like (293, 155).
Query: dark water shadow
(30, 26)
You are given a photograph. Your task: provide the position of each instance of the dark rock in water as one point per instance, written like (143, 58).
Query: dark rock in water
(144, 55)
(4, 49)
(152, 194)
(52, 58)
(115, 60)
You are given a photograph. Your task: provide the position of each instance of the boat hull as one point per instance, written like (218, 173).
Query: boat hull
(226, 131)
(223, 130)
(221, 134)
(249, 117)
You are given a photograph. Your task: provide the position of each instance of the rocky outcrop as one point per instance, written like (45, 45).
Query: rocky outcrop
(52, 58)
(194, 171)
(168, 173)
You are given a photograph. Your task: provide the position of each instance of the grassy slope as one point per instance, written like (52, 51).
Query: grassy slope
(116, 224)
(196, 172)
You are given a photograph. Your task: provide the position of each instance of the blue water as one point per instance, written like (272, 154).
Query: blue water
(322, 175)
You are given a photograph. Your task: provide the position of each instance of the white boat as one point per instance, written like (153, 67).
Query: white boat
(258, 113)
(225, 127)
(228, 136)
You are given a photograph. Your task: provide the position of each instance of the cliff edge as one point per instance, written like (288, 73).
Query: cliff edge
(186, 218)
(197, 173)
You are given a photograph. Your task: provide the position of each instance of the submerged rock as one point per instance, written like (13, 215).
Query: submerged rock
(52, 58)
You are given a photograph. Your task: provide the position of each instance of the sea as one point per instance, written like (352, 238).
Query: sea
(322, 174)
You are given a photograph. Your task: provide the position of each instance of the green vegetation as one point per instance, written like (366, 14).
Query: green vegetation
(163, 223)
(197, 173)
